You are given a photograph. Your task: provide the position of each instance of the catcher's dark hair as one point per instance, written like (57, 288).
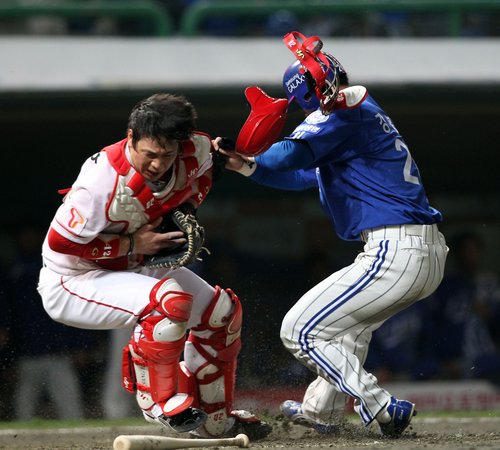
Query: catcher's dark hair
(162, 117)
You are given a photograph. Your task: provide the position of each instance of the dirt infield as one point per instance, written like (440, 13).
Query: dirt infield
(436, 433)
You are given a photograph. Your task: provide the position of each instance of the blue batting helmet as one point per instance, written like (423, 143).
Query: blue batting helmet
(300, 86)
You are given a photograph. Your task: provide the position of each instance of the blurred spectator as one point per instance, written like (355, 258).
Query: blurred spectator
(398, 351)
(388, 24)
(474, 25)
(6, 354)
(81, 25)
(430, 24)
(176, 9)
(40, 24)
(44, 350)
(117, 402)
(281, 22)
(455, 334)
(465, 311)
(397, 23)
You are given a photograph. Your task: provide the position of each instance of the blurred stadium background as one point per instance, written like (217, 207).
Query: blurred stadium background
(72, 70)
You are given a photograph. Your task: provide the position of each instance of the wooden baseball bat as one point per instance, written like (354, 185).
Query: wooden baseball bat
(146, 442)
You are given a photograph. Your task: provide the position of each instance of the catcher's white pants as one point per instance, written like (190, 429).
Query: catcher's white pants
(329, 328)
(104, 300)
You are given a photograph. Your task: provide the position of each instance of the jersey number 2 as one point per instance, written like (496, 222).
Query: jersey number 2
(400, 146)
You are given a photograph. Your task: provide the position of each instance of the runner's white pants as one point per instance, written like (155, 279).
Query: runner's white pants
(329, 329)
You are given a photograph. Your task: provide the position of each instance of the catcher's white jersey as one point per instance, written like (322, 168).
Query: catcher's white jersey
(110, 197)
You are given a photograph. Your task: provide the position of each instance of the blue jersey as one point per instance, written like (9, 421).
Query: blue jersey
(361, 164)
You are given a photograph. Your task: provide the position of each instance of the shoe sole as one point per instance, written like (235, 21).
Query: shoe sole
(186, 426)
(302, 420)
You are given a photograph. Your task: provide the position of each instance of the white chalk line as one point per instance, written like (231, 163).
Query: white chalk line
(147, 429)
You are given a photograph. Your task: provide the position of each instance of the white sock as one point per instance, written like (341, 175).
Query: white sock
(383, 416)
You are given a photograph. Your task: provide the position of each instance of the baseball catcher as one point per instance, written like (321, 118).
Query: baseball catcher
(117, 255)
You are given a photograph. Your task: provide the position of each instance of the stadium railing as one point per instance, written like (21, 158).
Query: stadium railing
(158, 17)
(195, 14)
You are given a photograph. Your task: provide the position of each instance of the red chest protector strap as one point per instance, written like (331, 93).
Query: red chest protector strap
(116, 156)
(137, 183)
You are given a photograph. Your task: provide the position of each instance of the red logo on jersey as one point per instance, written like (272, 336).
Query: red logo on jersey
(76, 218)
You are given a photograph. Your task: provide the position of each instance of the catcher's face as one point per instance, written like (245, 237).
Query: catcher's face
(151, 159)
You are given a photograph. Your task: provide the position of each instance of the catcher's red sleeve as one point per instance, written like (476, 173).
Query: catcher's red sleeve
(95, 249)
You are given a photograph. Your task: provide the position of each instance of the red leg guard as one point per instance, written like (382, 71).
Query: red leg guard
(187, 383)
(156, 348)
(128, 374)
(162, 360)
(217, 340)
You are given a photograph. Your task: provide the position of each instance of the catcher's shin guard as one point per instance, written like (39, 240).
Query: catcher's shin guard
(155, 349)
(217, 341)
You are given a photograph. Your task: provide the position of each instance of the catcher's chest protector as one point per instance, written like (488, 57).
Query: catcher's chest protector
(133, 202)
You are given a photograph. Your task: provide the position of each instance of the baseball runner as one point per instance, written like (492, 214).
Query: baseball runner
(98, 272)
(370, 187)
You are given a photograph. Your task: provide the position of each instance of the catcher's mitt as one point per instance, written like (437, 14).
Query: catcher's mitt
(185, 254)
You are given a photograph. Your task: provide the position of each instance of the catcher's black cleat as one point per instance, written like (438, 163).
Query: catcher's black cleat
(249, 424)
(239, 422)
(183, 422)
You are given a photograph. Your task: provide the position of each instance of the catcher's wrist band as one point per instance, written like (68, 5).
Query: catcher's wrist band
(131, 244)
